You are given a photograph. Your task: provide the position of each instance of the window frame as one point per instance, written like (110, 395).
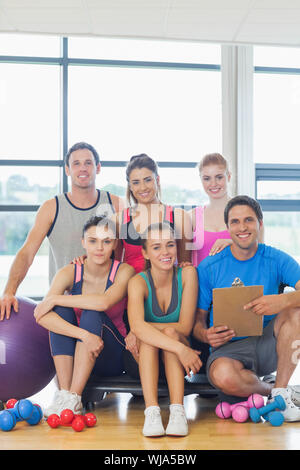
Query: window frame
(64, 61)
(278, 171)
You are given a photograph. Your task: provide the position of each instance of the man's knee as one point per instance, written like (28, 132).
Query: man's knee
(223, 374)
(288, 319)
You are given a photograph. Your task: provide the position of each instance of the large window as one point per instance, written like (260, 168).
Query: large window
(282, 230)
(173, 115)
(29, 45)
(154, 97)
(122, 96)
(146, 50)
(277, 143)
(277, 117)
(21, 185)
(30, 111)
(14, 229)
(131, 96)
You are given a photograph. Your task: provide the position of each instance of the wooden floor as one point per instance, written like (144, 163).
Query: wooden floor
(120, 421)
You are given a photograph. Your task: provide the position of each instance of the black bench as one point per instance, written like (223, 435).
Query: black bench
(96, 388)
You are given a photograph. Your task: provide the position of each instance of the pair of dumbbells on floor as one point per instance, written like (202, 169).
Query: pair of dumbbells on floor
(253, 407)
(19, 410)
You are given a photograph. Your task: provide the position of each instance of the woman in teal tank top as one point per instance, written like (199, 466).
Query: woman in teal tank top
(161, 311)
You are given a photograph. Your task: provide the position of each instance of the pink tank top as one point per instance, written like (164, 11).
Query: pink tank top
(202, 239)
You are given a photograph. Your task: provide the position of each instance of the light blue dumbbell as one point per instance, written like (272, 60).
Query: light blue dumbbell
(275, 418)
(256, 414)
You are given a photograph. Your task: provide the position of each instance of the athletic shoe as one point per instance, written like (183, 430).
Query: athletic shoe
(153, 426)
(295, 394)
(177, 425)
(73, 402)
(57, 405)
(270, 379)
(292, 412)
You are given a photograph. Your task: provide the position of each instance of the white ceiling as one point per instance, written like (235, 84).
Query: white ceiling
(227, 21)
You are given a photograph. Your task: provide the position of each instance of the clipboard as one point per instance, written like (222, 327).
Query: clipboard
(228, 309)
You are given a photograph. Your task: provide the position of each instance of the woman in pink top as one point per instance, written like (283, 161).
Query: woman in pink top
(210, 234)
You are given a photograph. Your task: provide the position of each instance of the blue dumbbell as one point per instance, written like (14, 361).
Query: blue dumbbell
(256, 414)
(15, 413)
(36, 416)
(275, 418)
(7, 420)
(23, 409)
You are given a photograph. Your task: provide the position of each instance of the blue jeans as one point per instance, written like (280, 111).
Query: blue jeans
(110, 361)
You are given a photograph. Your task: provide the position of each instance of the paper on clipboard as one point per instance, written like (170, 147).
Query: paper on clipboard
(228, 309)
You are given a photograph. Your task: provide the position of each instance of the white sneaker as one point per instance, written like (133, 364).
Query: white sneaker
(73, 402)
(295, 394)
(291, 412)
(153, 426)
(57, 405)
(177, 425)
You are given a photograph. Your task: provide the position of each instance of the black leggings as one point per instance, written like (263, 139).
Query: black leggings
(110, 361)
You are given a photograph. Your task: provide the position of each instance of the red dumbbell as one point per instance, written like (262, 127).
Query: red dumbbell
(53, 421)
(90, 419)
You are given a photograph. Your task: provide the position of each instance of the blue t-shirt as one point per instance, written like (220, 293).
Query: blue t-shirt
(268, 267)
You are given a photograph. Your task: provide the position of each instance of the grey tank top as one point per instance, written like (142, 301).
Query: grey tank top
(66, 230)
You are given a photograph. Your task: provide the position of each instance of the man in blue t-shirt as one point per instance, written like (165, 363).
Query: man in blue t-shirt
(235, 364)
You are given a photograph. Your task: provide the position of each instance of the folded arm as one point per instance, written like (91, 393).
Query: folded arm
(100, 302)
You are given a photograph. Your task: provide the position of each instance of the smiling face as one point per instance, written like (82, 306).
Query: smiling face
(244, 228)
(215, 179)
(99, 243)
(82, 168)
(161, 249)
(143, 184)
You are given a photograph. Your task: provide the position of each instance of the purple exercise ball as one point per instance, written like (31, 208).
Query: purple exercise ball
(26, 364)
